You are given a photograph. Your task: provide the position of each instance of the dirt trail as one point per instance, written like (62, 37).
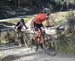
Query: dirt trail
(28, 54)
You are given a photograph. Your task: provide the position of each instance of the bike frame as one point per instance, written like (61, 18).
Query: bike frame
(39, 36)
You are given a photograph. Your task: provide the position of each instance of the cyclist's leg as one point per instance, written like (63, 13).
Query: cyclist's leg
(36, 28)
(42, 41)
(41, 36)
(22, 39)
(37, 46)
(19, 37)
(45, 40)
(36, 35)
(41, 45)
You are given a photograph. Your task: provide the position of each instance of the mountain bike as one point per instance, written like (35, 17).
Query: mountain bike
(44, 40)
(22, 37)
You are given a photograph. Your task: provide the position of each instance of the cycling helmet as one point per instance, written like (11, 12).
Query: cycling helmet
(22, 20)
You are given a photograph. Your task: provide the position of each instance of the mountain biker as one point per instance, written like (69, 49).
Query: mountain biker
(37, 23)
(19, 27)
(20, 24)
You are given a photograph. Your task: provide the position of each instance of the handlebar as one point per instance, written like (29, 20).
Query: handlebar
(46, 27)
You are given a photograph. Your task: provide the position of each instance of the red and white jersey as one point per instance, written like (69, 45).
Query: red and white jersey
(40, 18)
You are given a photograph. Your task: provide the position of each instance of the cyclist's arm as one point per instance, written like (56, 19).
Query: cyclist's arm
(32, 22)
(47, 21)
(25, 25)
(16, 25)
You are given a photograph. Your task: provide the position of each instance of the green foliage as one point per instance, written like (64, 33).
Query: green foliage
(7, 37)
(66, 43)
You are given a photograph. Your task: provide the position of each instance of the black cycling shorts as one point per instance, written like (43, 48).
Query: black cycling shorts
(37, 26)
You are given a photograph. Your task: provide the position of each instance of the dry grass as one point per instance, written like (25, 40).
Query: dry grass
(55, 18)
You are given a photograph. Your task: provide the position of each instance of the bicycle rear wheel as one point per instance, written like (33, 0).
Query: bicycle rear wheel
(49, 46)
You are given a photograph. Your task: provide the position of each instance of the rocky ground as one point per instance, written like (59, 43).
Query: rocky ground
(15, 53)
